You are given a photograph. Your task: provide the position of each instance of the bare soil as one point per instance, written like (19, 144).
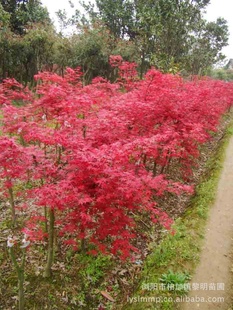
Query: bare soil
(214, 272)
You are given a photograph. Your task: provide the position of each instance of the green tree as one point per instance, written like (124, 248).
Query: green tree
(5, 35)
(165, 32)
(37, 49)
(221, 74)
(206, 45)
(4, 17)
(26, 39)
(117, 15)
(23, 12)
(90, 49)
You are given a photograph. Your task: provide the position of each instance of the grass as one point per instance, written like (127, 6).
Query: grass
(175, 258)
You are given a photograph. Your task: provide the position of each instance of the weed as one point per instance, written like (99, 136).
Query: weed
(176, 281)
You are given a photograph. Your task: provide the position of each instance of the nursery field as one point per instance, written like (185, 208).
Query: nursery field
(93, 177)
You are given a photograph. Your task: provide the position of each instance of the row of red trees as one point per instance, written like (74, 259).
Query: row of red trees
(86, 159)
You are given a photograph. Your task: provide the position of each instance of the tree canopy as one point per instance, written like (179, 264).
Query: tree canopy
(23, 12)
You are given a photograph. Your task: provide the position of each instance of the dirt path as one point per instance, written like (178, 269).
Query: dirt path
(214, 272)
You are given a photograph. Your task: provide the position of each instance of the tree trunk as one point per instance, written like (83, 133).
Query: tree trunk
(154, 168)
(21, 290)
(48, 271)
(46, 220)
(83, 245)
(20, 273)
(12, 204)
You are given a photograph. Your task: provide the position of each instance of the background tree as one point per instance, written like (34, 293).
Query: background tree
(26, 39)
(23, 12)
(4, 37)
(92, 48)
(170, 35)
(25, 55)
(167, 33)
(206, 46)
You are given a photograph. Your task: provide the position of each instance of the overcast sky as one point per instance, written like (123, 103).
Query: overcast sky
(223, 8)
(217, 8)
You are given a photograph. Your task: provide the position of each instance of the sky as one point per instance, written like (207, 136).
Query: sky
(222, 8)
(217, 8)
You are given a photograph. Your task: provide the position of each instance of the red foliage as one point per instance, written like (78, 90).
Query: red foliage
(101, 153)
(14, 161)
